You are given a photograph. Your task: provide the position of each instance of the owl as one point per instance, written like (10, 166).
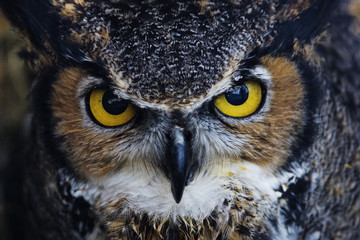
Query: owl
(206, 119)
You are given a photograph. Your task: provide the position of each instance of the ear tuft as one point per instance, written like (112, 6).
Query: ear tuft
(39, 21)
(311, 21)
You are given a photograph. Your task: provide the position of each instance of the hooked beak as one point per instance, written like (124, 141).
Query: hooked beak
(179, 162)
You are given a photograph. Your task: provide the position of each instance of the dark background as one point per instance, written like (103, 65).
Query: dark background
(14, 87)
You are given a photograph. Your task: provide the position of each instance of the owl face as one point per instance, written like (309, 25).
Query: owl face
(177, 111)
(112, 137)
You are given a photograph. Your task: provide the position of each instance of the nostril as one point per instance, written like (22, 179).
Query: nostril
(168, 137)
(188, 136)
(192, 171)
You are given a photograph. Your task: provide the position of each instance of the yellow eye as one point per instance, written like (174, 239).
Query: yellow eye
(108, 109)
(242, 102)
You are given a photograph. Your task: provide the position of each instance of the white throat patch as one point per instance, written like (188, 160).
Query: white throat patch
(148, 192)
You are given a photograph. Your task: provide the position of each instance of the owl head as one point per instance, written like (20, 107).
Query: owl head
(176, 114)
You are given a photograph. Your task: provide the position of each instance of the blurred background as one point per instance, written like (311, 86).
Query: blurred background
(14, 87)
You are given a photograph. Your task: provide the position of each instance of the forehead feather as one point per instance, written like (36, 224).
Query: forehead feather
(170, 50)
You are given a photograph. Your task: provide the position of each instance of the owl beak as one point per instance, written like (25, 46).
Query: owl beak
(178, 162)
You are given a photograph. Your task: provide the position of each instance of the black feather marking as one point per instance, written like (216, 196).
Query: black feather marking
(309, 24)
(294, 197)
(313, 94)
(243, 230)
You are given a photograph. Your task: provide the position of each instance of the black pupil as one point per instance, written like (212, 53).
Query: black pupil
(112, 104)
(239, 96)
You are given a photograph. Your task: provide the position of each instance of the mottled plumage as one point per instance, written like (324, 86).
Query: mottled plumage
(180, 167)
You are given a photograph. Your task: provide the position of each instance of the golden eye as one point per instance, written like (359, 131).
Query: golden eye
(108, 109)
(241, 102)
